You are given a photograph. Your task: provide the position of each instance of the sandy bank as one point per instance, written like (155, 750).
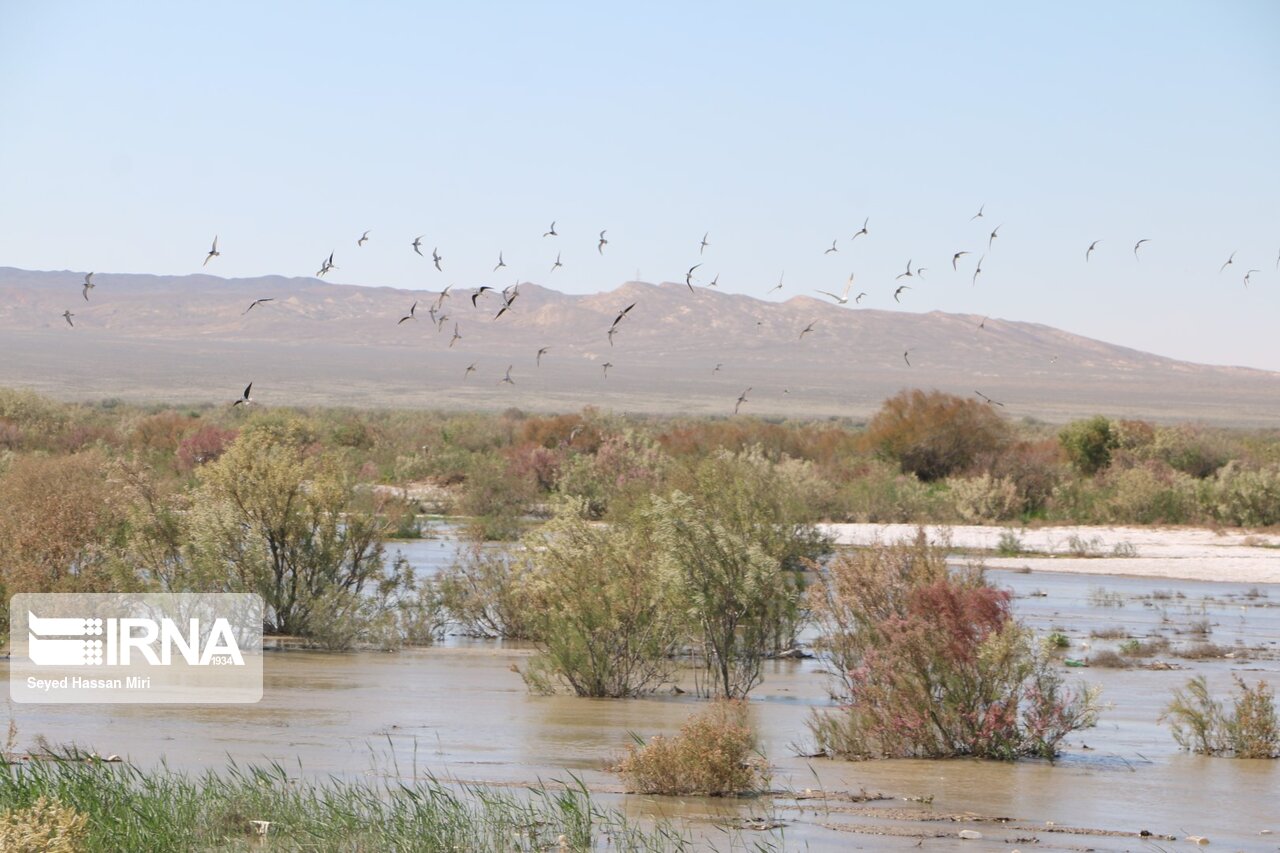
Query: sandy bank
(1172, 552)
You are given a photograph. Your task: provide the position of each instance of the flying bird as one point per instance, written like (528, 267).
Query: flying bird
(541, 353)
(479, 292)
(507, 379)
(994, 233)
(843, 298)
(255, 303)
(858, 299)
(832, 249)
(716, 369)
(807, 329)
(552, 231)
(364, 238)
(501, 263)
(1089, 251)
(244, 398)
(920, 271)
(557, 264)
(715, 281)
(906, 353)
(326, 265)
(778, 286)
(990, 402)
(983, 324)
(978, 215)
(977, 271)
(1229, 262)
(412, 315)
(435, 259)
(904, 274)
(742, 398)
(440, 321)
(623, 313)
(456, 337)
(471, 368)
(704, 243)
(861, 231)
(417, 244)
(688, 277)
(603, 242)
(1137, 245)
(606, 367)
(444, 294)
(88, 285)
(213, 252)
(957, 256)
(901, 288)
(609, 334)
(1248, 275)
(67, 315)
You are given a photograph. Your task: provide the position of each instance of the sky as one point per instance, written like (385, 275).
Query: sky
(132, 133)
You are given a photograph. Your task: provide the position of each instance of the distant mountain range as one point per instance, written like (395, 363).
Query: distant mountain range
(188, 339)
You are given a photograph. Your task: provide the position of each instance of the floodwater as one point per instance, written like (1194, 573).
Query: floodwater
(459, 711)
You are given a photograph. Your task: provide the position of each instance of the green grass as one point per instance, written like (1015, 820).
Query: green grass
(162, 810)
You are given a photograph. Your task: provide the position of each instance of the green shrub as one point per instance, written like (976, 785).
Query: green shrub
(598, 607)
(1245, 497)
(1089, 443)
(482, 592)
(715, 753)
(1200, 724)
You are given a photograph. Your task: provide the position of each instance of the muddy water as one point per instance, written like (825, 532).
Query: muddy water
(459, 711)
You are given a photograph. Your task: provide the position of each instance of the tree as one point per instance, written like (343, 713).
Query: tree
(933, 435)
(598, 607)
(62, 516)
(1089, 443)
(730, 589)
(274, 517)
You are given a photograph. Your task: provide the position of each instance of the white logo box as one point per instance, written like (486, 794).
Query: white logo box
(203, 648)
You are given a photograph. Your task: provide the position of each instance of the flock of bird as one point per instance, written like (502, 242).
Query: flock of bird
(508, 295)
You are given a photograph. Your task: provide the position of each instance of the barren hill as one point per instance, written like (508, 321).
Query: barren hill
(188, 338)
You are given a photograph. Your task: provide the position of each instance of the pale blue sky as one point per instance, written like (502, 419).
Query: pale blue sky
(131, 133)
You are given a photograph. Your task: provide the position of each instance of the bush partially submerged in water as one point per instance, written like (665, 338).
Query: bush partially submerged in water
(715, 753)
(1200, 724)
(931, 663)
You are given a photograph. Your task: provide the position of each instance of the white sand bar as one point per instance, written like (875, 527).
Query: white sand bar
(1165, 552)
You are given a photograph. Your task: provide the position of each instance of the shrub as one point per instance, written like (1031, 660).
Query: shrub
(45, 826)
(1107, 659)
(493, 500)
(202, 446)
(62, 516)
(598, 608)
(1200, 724)
(1245, 497)
(984, 498)
(879, 493)
(932, 664)
(1151, 495)
(732, 594)
(933, 435)
(1089, 443)
(712, 754)
(1034, 468)
(273, 517)
(482, 592)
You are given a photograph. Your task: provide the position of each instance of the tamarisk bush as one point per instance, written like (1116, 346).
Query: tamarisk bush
(930, 663)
